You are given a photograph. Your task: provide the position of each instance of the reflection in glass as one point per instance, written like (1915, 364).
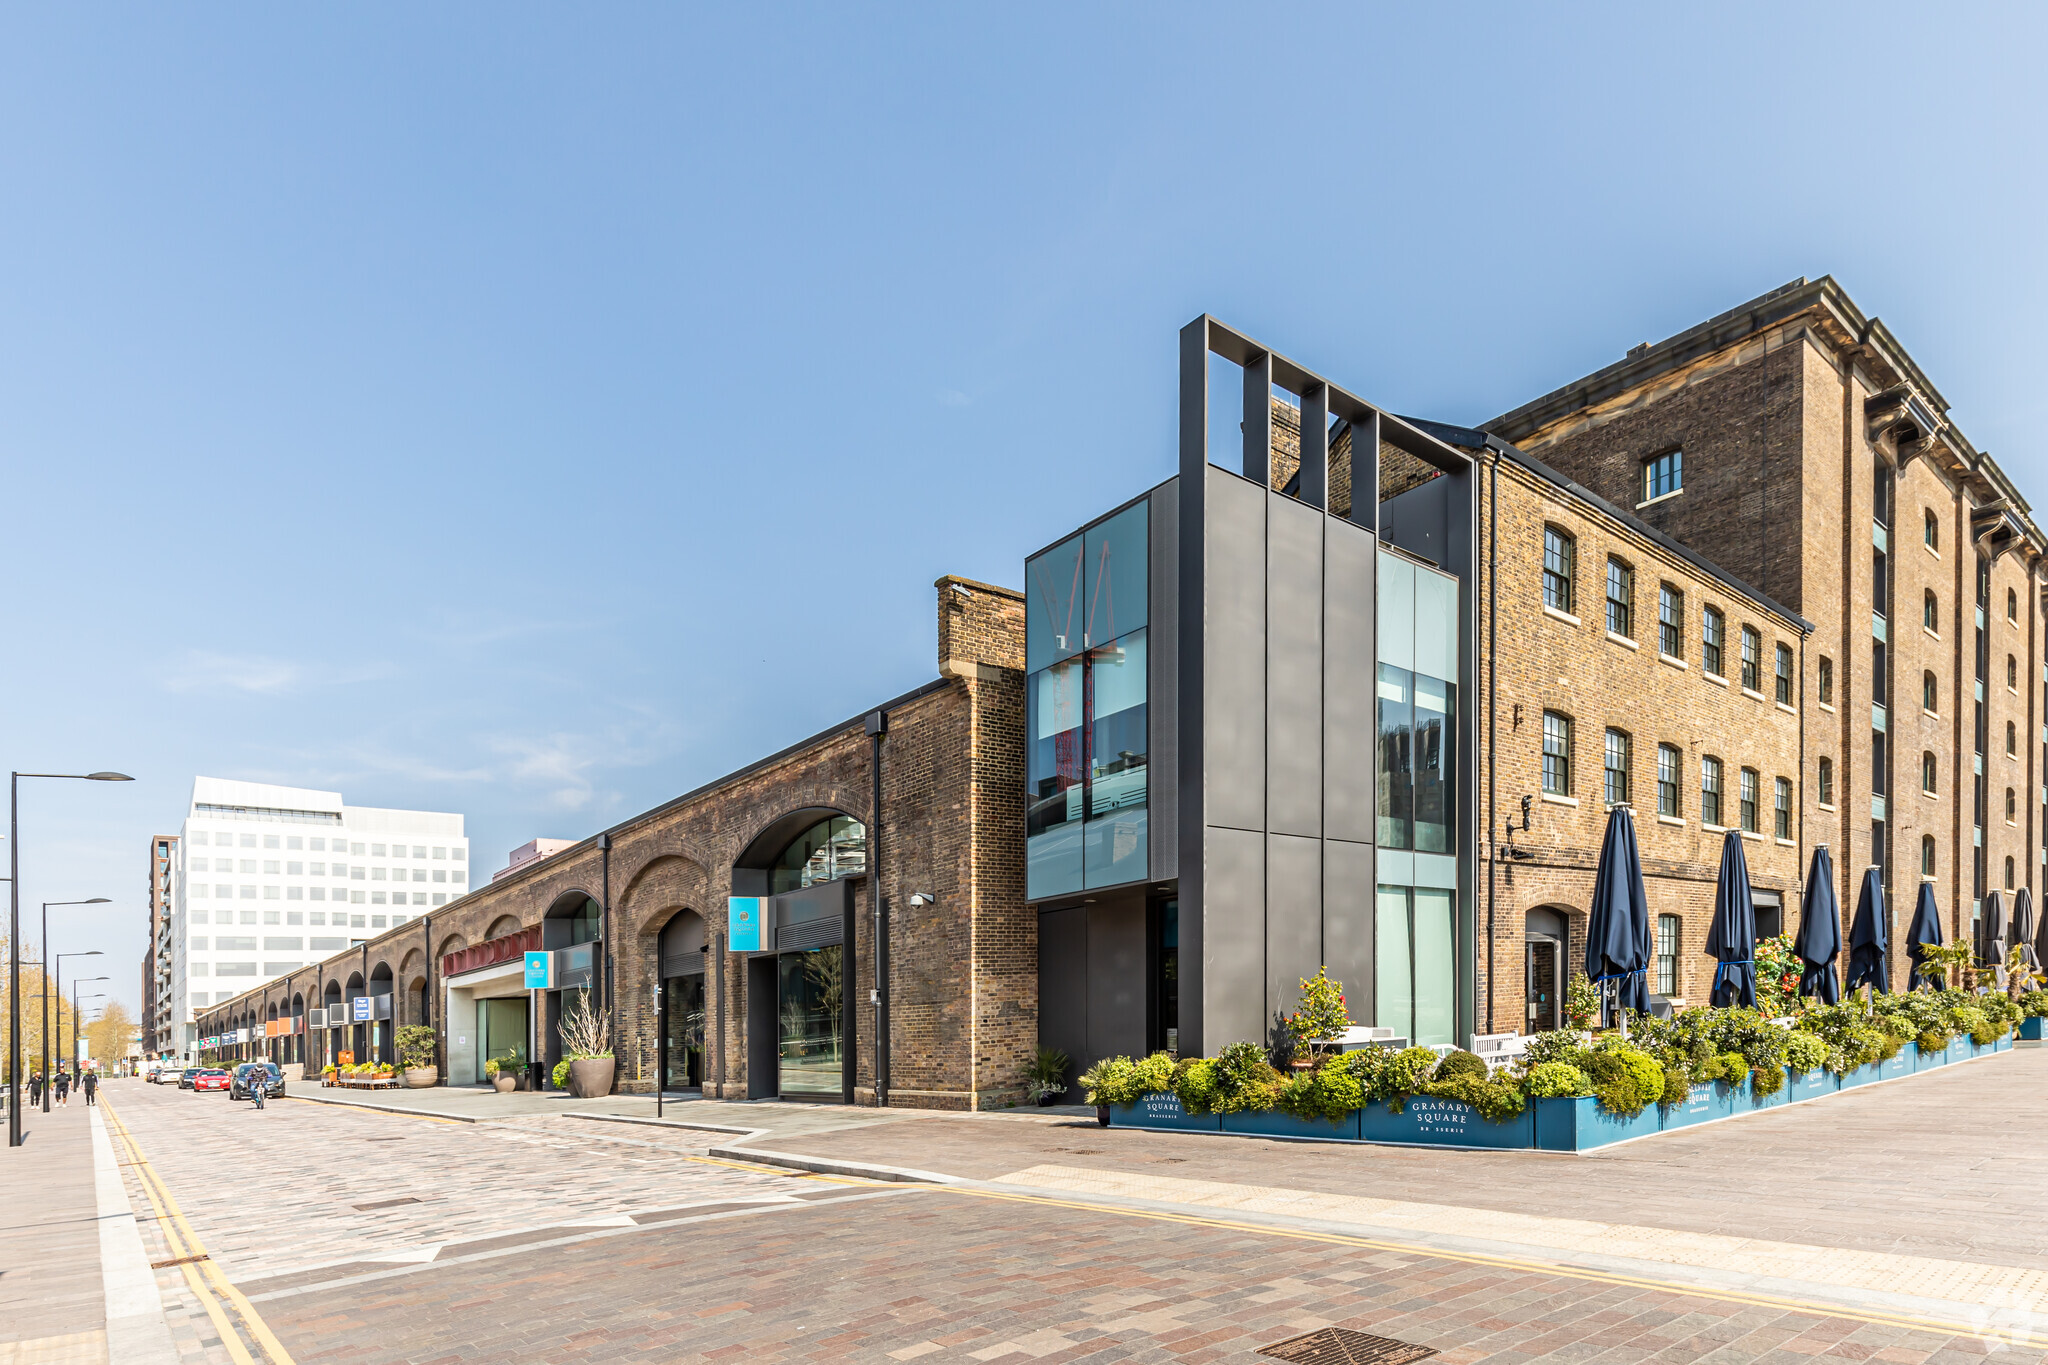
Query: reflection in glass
(504, 1030)
(1052, 587)
(808, 1001)
(831, 849)
(683, 1047)
(1433, 747)
(1417, 754)
(1114, 849)
(1115, 577)
(1393, 965)
(1415, 973)
(1054, 773)
(1396, 774)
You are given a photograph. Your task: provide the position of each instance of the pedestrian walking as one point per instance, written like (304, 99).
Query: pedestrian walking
(35, 1088)
(63, 1089)
(92, 1088)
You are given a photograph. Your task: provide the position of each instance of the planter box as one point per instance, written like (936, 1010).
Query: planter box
(2004, 1044)
(1708, 1101)
(2031, 1030)
(1960, 1048)
(1273, 1123)
(1161, 1111)
(1862, 1075)
(1923, 1060)
(1582, 1124)
(1901, 1065)
(1815, 1083)
(1428, 1121)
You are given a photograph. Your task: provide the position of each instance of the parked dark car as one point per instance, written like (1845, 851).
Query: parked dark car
(248, 1072)
(189, 1076)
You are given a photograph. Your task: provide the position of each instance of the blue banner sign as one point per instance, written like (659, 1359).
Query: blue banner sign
(540, 971)
(362, 1007)
(746, 919)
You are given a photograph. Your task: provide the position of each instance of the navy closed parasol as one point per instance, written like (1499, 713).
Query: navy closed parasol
(2023, 928)
(1991, 931)
(1924, 932)
(1820, 930)
(1870, 936)
(1618, 921)
(1732, 938)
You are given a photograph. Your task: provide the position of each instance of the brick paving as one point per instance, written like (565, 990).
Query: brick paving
(829, 1271)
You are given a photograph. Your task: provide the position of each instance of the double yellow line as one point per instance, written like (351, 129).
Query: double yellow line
(209, 1285)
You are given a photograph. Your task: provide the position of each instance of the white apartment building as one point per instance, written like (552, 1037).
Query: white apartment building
(267, 879)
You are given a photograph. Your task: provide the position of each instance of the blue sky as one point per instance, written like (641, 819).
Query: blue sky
(535, 411)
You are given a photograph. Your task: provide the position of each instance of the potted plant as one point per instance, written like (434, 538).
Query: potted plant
(416, 1056)
(586, 1046)
(1046, 1077)
(501, 1074)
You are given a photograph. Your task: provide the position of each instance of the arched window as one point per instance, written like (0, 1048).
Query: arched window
(1668, 761)
(2012, 605)
(2012, 807)
(2008, 873)
(1930, 693)
(1927, 774)
(1930, 614)
(1927, 855)
(1621, 598)
(833, 848)
(1931, 533)
(1560, 555)
(1827, 681)
(1825, 781)
(2012, 740)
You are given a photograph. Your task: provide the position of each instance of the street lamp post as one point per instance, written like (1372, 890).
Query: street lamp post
(50, 1071)
(75, 1065)
(14, 936)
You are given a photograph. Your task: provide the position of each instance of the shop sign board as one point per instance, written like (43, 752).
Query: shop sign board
(540, 971)
(363, 1008)
(746, 923)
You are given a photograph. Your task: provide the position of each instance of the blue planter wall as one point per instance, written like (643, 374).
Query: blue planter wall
(1582, 1124)
(1812, 1085)
(2031, 1030)
(1446, 1123)
(1708, 1101)
(1273, 1123)
(1161, 1111)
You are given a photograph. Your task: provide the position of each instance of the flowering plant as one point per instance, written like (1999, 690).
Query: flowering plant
(1778, 969)
(1322, 1017)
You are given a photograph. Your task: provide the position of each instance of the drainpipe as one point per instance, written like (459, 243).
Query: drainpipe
(878, 725)
(1492, 712)
(604, 853)
(427, 1003)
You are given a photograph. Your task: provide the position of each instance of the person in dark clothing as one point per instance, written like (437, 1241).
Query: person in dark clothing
(92, 1087)
(63, 1089)
(35, 1089)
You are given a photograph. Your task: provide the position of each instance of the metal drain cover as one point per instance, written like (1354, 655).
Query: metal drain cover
(1342, 1346)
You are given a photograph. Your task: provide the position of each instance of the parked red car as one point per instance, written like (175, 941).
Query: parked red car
(211, 1079)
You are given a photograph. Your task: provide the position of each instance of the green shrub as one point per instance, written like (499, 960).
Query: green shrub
(1245, 1081)
(1932, 1039)
(1677, 1083)
(1407, 1073)
(1460, 1064)
(1367, 1066)
(1625, 1080)
(2034, 1004)
(1328, 1092)
(1194, 1084)
(1557, 1045)
(560, 1075)
(1495, 1101)
(1805, 1052)
(1766, 1080)
(1556, 1080)
(1154, 1073)
(1113, 1080)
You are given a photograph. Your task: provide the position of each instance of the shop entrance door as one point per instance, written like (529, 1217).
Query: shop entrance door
(1545, 960)
(683, 1044)
(808, 996)
(503, 1024)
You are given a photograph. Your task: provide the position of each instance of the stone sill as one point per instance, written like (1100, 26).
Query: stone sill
(1554, 614)
(1788, 710)
(1826, 706)
(1622, 640)
(1671, 820)
(1715, 678)
(1556, 800)
(1672, 660)
(1753, 696)
(1661, 497)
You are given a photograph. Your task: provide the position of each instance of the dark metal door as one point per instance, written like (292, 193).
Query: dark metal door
(1543, 984)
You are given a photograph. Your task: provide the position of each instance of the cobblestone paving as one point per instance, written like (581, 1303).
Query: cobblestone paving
(825, 1271)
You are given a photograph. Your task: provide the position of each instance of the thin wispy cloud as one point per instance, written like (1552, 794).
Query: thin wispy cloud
(202, 671)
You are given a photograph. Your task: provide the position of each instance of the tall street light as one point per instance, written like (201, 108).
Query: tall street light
(14, 936)
(76, 1068)
(50, 1072)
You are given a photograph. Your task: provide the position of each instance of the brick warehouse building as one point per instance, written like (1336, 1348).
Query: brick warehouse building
(642, 905)
(1651, 585)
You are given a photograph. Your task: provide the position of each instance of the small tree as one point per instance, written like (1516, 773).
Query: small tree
(415, 1046)
(586, 1032)
(1322, 1017)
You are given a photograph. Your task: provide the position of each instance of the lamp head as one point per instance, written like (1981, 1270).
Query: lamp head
(108, 777)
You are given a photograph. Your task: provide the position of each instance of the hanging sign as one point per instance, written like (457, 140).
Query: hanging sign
(540, 971)
(363, 1007)
(746, 923)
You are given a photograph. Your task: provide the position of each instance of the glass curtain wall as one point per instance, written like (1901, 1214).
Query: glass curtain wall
(828, 850)
(808, 995)
(1417, 760)
(1415, 971)
(1087, 727)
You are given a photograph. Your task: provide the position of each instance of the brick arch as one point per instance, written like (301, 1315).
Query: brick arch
(823, 797)
(501, 927)
(450, 943)
(659, 889)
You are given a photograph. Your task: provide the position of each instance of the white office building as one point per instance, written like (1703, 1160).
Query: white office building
(268, 879)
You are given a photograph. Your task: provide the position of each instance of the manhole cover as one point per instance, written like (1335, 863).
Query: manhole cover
(394, 1203)
(1342, 1346)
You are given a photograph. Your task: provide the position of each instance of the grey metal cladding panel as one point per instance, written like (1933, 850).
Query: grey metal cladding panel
(1349, 670)
(1349, 901)
(1063, 983)
(1234, 655)
(1116, 978)
(1233, 938)
(1294, 667)
(1163, 686)
(1294, 918)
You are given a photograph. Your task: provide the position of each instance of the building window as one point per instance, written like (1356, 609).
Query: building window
(1710, 790)
(1929, 693)
(1667, 955)
(1827, 681)
(2008, 873)
(2012, 809)
(1667, 779)
(1670, 621)
(1825, 782)
(1930, 614)
(1782, 807)
(1784, 675)
(1417, 742)
(1557, 754)
(831, 849)
(1927, 773)
(1748, 796)
(2012, 740)
(2012, 606)
(1752, 659)
(1927, 840)
(1614, 768)
(1559, 551)
(2012, 673)
(1663, 474)
(1621, 599)
(1712, 635)
(1930, 532)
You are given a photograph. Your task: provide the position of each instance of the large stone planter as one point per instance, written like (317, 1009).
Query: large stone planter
(591, 1077)
(420, 1077)
(504, 1084)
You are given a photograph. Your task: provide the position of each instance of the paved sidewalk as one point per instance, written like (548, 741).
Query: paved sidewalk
(52, 1303)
